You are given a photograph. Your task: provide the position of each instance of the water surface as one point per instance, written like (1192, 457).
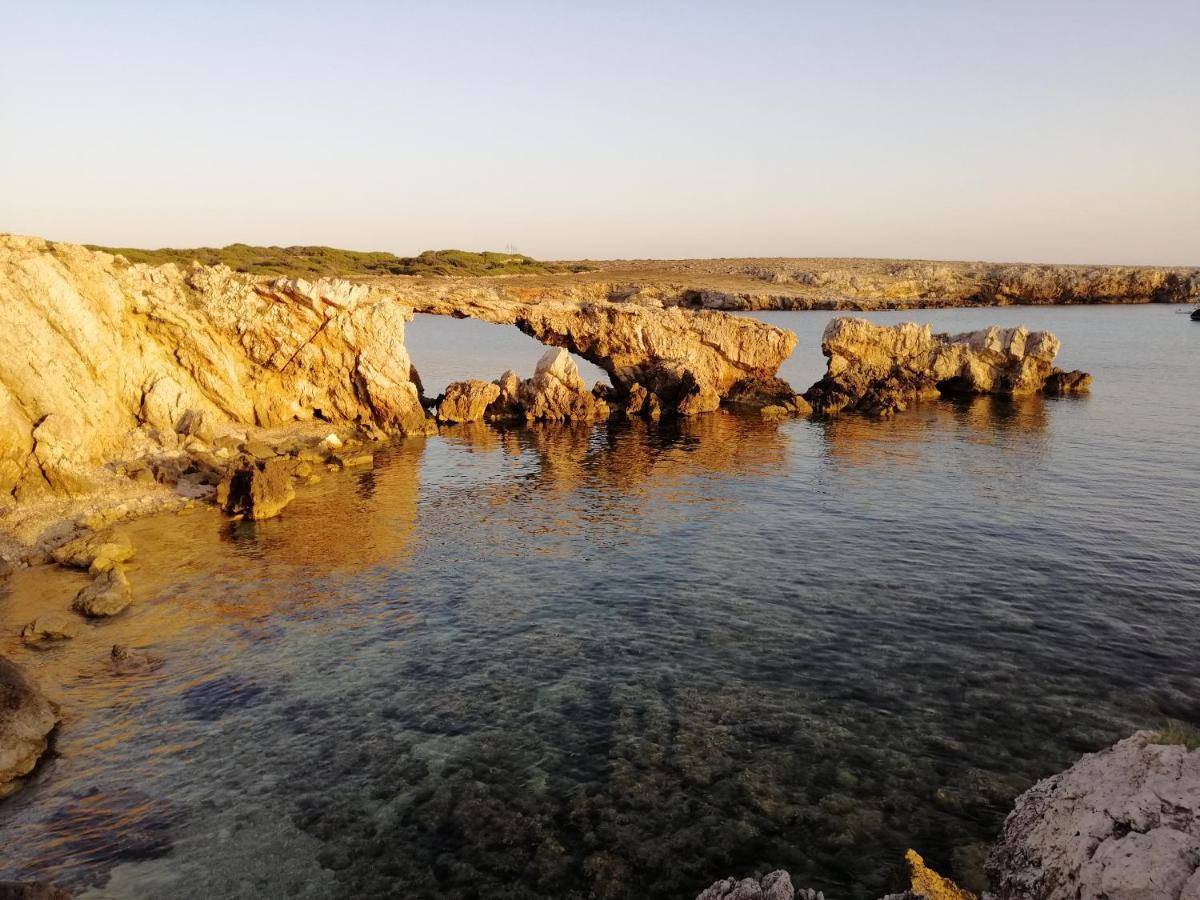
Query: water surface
(623, 661)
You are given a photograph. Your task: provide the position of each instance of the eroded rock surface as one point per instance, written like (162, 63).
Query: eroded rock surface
(108, 594)
(882, 369)
(49, 628)
(557, 393)
(774, 886)
(689, 359)
(257, 489)
(96, 350)
(26, 720)
(467, 401)
(1122, 824)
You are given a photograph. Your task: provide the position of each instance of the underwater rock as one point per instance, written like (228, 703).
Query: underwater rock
(108, 594)
(26, 720)
(31, 890)
(125, 661)
(49, 628)
(1123, 824)
(256, 489)
(881, 370)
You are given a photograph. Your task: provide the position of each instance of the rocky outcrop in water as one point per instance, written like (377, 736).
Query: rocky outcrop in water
(688, 359)
(256, 489)
(1122, 824)
(467, 401)
(108, 594)
(880, 369)
(26, 720)
(774, 886)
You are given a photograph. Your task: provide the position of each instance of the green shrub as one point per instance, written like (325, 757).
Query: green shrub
(1177, 732)
(318, 261)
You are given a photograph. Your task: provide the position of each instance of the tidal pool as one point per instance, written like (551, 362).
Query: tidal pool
(623, 661)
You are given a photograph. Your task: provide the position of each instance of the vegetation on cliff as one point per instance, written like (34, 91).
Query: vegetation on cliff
(310, 262)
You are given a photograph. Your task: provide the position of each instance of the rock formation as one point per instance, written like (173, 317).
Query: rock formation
(1123, 824)
(94, 347)
(49, 628)
(467, 401)
(775, 886)
(108, 594)
(557, 393)
(257, 489)
(689, 359)
(26, 720)
(879, 369)
(111, 371)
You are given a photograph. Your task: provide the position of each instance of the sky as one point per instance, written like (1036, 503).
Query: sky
(1041, 132)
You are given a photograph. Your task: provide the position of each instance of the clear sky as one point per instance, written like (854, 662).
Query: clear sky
(1041, 131)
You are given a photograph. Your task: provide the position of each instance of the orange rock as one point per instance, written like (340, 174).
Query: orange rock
(927, 883)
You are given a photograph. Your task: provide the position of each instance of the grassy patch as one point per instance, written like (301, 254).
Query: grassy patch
(1177, 732)
(313, 262)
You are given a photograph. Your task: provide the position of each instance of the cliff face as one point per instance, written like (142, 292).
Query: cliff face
(91, 348)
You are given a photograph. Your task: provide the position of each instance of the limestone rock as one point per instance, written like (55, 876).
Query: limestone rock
(775, 886)
(99, 549)
(26, 720)
(256, 489)
(467, 401)
(126, 661)
(507, 405)
(556, 392)
(108, 594)
(880, 369)
(1123, 824)
(924, 882)
(49, 628)
(92, 347)
(689, 358)
(1060, 382)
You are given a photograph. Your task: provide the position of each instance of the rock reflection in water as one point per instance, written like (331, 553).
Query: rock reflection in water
(615, 662)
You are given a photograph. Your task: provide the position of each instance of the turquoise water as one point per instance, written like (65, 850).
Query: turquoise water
(624, 661)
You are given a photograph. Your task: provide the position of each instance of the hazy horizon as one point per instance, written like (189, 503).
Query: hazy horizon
(1030, 133)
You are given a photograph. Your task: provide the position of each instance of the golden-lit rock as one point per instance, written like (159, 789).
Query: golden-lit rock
(924, 882)
(467, 401)
(26, 720)
(882, 369)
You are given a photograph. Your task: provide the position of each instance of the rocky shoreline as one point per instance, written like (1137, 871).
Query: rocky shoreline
(1120, 824)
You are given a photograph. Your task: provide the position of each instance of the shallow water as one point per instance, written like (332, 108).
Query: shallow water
(624, 661)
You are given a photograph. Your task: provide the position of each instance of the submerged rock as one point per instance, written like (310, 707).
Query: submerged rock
(881, 370)
(26, 720)
(467, 401)
(108, 594)
(1122, 824)
(256, 489)
(126, 661)
(31, 890)
(50, 628)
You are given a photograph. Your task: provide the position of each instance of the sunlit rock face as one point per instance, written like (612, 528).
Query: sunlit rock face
(92, 348)
(689, 359)
(1123, 824)
(882, 369)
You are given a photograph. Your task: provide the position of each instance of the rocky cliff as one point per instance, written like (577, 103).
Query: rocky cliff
(96, 354)
(103, 361)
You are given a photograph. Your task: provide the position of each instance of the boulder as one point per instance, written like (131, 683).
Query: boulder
(26, 720)
(924, 882)
(257, 489)
(99, 549)
(50, 628)
(108, 594)
(1122, 824)
(775, 886)
(1059, 382)
(467, 401)
(127, 661)
(556, 392)
(882, 369)
(507, 405)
